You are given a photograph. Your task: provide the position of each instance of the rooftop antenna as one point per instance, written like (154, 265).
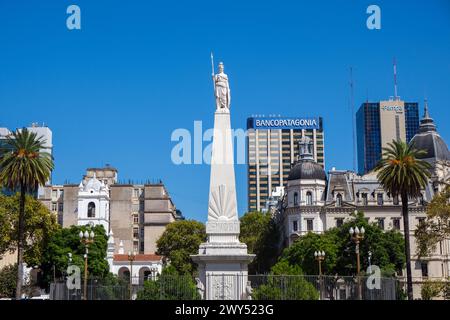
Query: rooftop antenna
(352, 106)
(395, 80)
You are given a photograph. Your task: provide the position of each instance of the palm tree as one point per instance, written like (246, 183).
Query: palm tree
(401, 173)
(23, 167)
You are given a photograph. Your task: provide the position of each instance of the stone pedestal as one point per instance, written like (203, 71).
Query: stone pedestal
(223, 260)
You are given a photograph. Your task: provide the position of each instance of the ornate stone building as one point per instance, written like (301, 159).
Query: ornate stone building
(314, 202)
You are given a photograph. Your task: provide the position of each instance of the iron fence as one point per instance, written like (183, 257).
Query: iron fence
(258, 287)
(286, 287)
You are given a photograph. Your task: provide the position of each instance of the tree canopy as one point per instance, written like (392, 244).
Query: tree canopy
(340, 256)
(286, 282)
(170, 285)
(40, 224)
(180, 240)
(261, 234)
(8, 281)
(67, 240)
(436, 228)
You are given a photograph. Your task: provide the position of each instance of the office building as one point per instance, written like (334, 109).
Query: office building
(272, 147)
(378, 123)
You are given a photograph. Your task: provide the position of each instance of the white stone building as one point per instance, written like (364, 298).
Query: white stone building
(314, 202)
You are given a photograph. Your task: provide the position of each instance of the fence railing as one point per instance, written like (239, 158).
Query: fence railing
(258, 287)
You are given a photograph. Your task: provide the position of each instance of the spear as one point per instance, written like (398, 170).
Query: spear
(212, 72)
(212, 64)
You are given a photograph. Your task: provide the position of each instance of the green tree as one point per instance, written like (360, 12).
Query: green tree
(170, 285)
(40, 224)
(401, 173)
(24, 168)
(8, 281)
(340, 256)
(301, 252)
(179, 241)
(286, 282)
(431, 289)
(67, 240)
(436, 228)
(386, 247)
(261, 234)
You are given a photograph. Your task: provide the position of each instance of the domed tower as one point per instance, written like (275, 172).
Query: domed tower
(437, 153)
(305, 193)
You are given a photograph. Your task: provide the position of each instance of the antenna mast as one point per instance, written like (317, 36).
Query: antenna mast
(395, 80)
(352, 106)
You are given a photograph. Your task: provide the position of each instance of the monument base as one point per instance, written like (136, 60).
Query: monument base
(223, 271)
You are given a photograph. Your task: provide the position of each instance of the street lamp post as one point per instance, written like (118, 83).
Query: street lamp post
(357, 235)
(131, 258)
(320, 256)
(86, 238)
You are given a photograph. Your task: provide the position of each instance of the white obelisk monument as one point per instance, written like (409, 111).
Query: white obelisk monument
(222, 260)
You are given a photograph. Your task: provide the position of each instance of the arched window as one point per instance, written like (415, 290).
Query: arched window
(91, 210)
(338, 200)
(295, 199)
(309, 198)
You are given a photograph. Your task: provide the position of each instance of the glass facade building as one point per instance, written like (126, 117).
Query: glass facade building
(378, 123)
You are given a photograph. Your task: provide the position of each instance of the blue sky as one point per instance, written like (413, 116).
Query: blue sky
(114, 91)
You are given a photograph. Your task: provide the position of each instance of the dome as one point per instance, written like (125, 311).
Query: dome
(93, 184)
(307, 169)
(429, 140)
(433, 144)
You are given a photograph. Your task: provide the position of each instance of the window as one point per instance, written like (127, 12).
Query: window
(364, 199)
(91, 210)
(135, 246)
(421, 201)
(424, 267)
(295, 225)
(309, 224)
(339, 200)
(309, 201)
(135, 219)
(396, 223)
(381, 223)
(380, 199)
(54, 194)
(396, 200)
(135, 233)
(60, 207)
(54, 206)
(295, 199)
(339, 222)
(421, 220)
(136, 193)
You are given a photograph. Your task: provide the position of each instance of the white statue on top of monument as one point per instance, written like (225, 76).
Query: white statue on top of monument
(221, 89)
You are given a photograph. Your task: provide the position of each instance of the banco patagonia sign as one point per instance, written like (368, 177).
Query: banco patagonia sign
(392, 108)
(285, 123)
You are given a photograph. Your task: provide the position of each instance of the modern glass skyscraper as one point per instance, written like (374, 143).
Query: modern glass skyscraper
(272, 148)
(378, 123)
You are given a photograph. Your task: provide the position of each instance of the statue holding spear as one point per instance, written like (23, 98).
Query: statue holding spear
(221, 87)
